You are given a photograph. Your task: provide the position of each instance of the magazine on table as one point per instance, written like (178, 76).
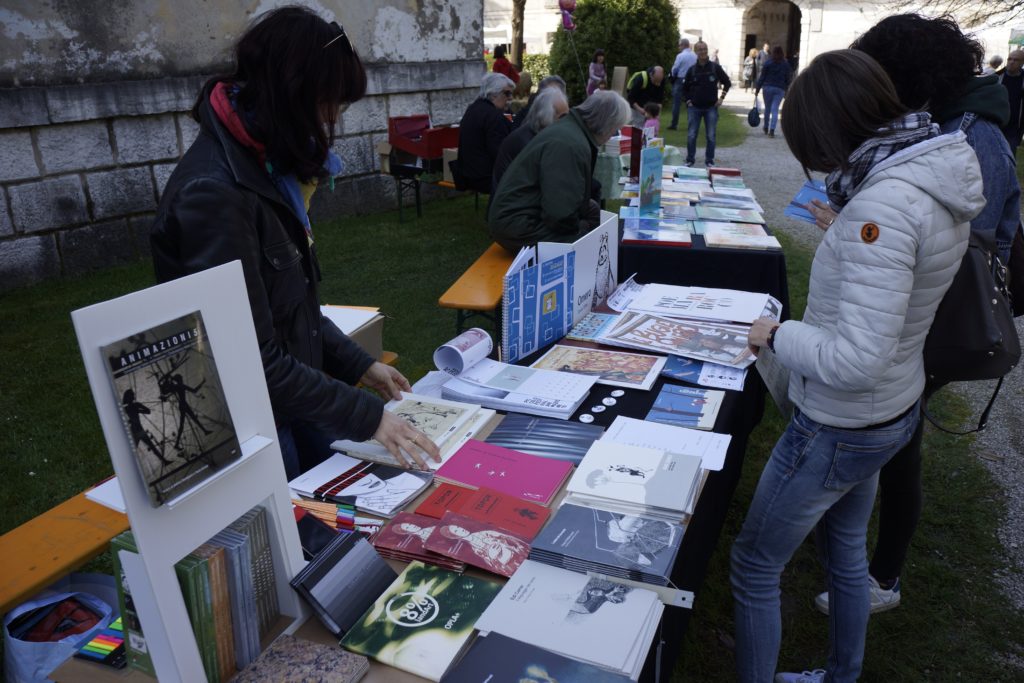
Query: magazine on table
(371, 487)
(498, 659)
(710, 447)
(705, 303)
(545, 437)
(706, 341)
(477, 379)
(686, 407)
(478, 543)
(483, 465)
(740, 236)
(715, 213)
(615, 368)
(705, 374)
(592, 326)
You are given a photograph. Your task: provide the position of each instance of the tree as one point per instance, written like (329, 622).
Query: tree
(969, 13)
(636, 34)
(518, 9)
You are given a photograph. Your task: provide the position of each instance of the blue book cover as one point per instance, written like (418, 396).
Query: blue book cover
(683, 369)
(537, 306)
(498, 659)
(650, 181)
(633, 546)
(811, 189)
(686, 407)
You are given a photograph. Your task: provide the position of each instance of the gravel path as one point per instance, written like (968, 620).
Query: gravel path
(773, 173)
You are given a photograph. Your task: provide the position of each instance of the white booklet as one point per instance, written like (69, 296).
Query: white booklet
(650, 480)
(722, 305)
(594, 620)
(708, 446)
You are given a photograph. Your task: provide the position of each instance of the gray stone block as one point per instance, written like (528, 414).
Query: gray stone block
(27, 260)
(417, 77)
(142, 139)
(139, 226)
(116, 193)
(6, 226)
(189, 131)
(96, 246)
(448, 106)
(51, 203)
(161, 174)
(407, 104)
(122, 98)
(357, 154)
(367, 115)
(20, 107)
(74, 147)
(17, 158)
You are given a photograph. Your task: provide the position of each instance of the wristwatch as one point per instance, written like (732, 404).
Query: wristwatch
(771, 337)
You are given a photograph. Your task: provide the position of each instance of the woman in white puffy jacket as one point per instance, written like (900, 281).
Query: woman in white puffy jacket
(905, 195)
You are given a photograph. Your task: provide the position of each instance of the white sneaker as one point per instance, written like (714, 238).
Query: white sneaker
(882, 599)
(816, 676)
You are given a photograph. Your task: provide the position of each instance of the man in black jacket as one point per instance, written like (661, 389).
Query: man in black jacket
(701, 87)
(482, 130)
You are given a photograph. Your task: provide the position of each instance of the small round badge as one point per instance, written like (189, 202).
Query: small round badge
(618, 392)
(609, 401)
(587, 418)
(598, 409)
(869, 233)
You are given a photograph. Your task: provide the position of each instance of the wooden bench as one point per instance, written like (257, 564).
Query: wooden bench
(478, 290)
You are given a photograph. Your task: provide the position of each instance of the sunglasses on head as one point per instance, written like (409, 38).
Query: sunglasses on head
(341, 34)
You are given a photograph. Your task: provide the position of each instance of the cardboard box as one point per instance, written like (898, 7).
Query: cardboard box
(449, 154)
(363, 325)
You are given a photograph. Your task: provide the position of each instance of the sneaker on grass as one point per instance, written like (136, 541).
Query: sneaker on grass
(882, 599)
(816, 676)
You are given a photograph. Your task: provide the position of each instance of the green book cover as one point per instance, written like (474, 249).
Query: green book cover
(422, 621)
(191, 570)
(134, 642)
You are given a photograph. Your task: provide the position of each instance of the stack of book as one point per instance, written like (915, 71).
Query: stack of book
(587, 539)
(686, 407)
(544, 437)
(372, 487)
(342, 581)
(478, 464)
(423, 621)
(594, 620)
(520, 389)
(405, 537)
(478, 543)
(448, 424)
(229, 588)
(636, 480)
(495, 508)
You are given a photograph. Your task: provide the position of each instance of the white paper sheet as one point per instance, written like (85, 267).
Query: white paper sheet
(708, 446)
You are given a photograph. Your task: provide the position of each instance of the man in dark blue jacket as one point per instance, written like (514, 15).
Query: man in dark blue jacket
(701, 86)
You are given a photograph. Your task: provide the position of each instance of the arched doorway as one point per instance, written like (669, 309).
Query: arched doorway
(776, 22)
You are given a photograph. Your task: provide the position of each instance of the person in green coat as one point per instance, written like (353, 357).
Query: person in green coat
(544, 196)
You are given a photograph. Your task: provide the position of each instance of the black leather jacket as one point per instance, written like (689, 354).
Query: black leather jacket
(219, 206)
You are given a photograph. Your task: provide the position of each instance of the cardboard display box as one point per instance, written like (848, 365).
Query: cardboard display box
(363, 325)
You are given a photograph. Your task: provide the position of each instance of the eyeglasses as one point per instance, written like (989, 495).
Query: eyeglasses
(341, 34)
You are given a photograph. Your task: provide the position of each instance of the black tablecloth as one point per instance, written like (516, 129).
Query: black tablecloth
(749, 270)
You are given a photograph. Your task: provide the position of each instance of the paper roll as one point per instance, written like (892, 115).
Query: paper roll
(462, 352)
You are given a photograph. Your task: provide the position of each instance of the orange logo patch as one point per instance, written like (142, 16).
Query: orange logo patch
(869, 232)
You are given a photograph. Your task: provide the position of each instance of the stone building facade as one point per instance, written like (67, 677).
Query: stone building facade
(94, 102)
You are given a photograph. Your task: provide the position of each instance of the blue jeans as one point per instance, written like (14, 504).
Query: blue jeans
(303, 447)
(772, 100)
(710, 117)
(821, 478)
(677, 101)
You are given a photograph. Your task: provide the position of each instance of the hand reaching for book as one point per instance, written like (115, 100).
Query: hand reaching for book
(408, 444)
(390, 383)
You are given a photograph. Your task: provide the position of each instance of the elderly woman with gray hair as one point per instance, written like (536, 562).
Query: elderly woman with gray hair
(482, 130)
(548, 106)
(545, 193)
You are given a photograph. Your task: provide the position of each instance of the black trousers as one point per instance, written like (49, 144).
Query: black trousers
(899, 509)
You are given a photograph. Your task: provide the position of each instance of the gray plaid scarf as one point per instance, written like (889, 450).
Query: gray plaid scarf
(898, 135)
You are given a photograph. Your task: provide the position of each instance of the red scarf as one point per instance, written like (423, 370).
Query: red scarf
(225, 111)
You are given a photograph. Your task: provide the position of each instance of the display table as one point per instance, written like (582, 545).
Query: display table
(610, 167)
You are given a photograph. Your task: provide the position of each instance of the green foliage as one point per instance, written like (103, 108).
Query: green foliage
(636, 34)
(537, 66)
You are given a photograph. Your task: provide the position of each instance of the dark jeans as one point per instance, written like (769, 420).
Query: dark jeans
(899, 508)
(677, 101)
(710, 117)
(303, 447)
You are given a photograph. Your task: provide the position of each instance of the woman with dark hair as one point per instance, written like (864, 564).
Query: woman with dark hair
(905, 195)
(241, 192)
(936, 72)
(503, 66)
(598, 75)
(775, 77)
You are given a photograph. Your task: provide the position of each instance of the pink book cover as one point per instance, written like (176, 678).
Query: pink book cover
(478, 464)
(407, 532)
(479, 544)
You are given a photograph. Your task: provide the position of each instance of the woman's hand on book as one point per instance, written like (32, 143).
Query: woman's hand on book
(387, 381)
(408, 444)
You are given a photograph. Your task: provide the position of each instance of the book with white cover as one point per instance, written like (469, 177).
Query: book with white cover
(593, 620)
(704, 303)
(708, 446)
(648, 480)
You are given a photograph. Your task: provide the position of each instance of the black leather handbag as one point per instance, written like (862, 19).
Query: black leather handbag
(973, 336)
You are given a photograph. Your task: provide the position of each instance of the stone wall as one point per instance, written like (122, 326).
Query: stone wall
(89, 137)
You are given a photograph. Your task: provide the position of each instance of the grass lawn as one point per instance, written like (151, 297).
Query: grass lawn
(954, 625)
